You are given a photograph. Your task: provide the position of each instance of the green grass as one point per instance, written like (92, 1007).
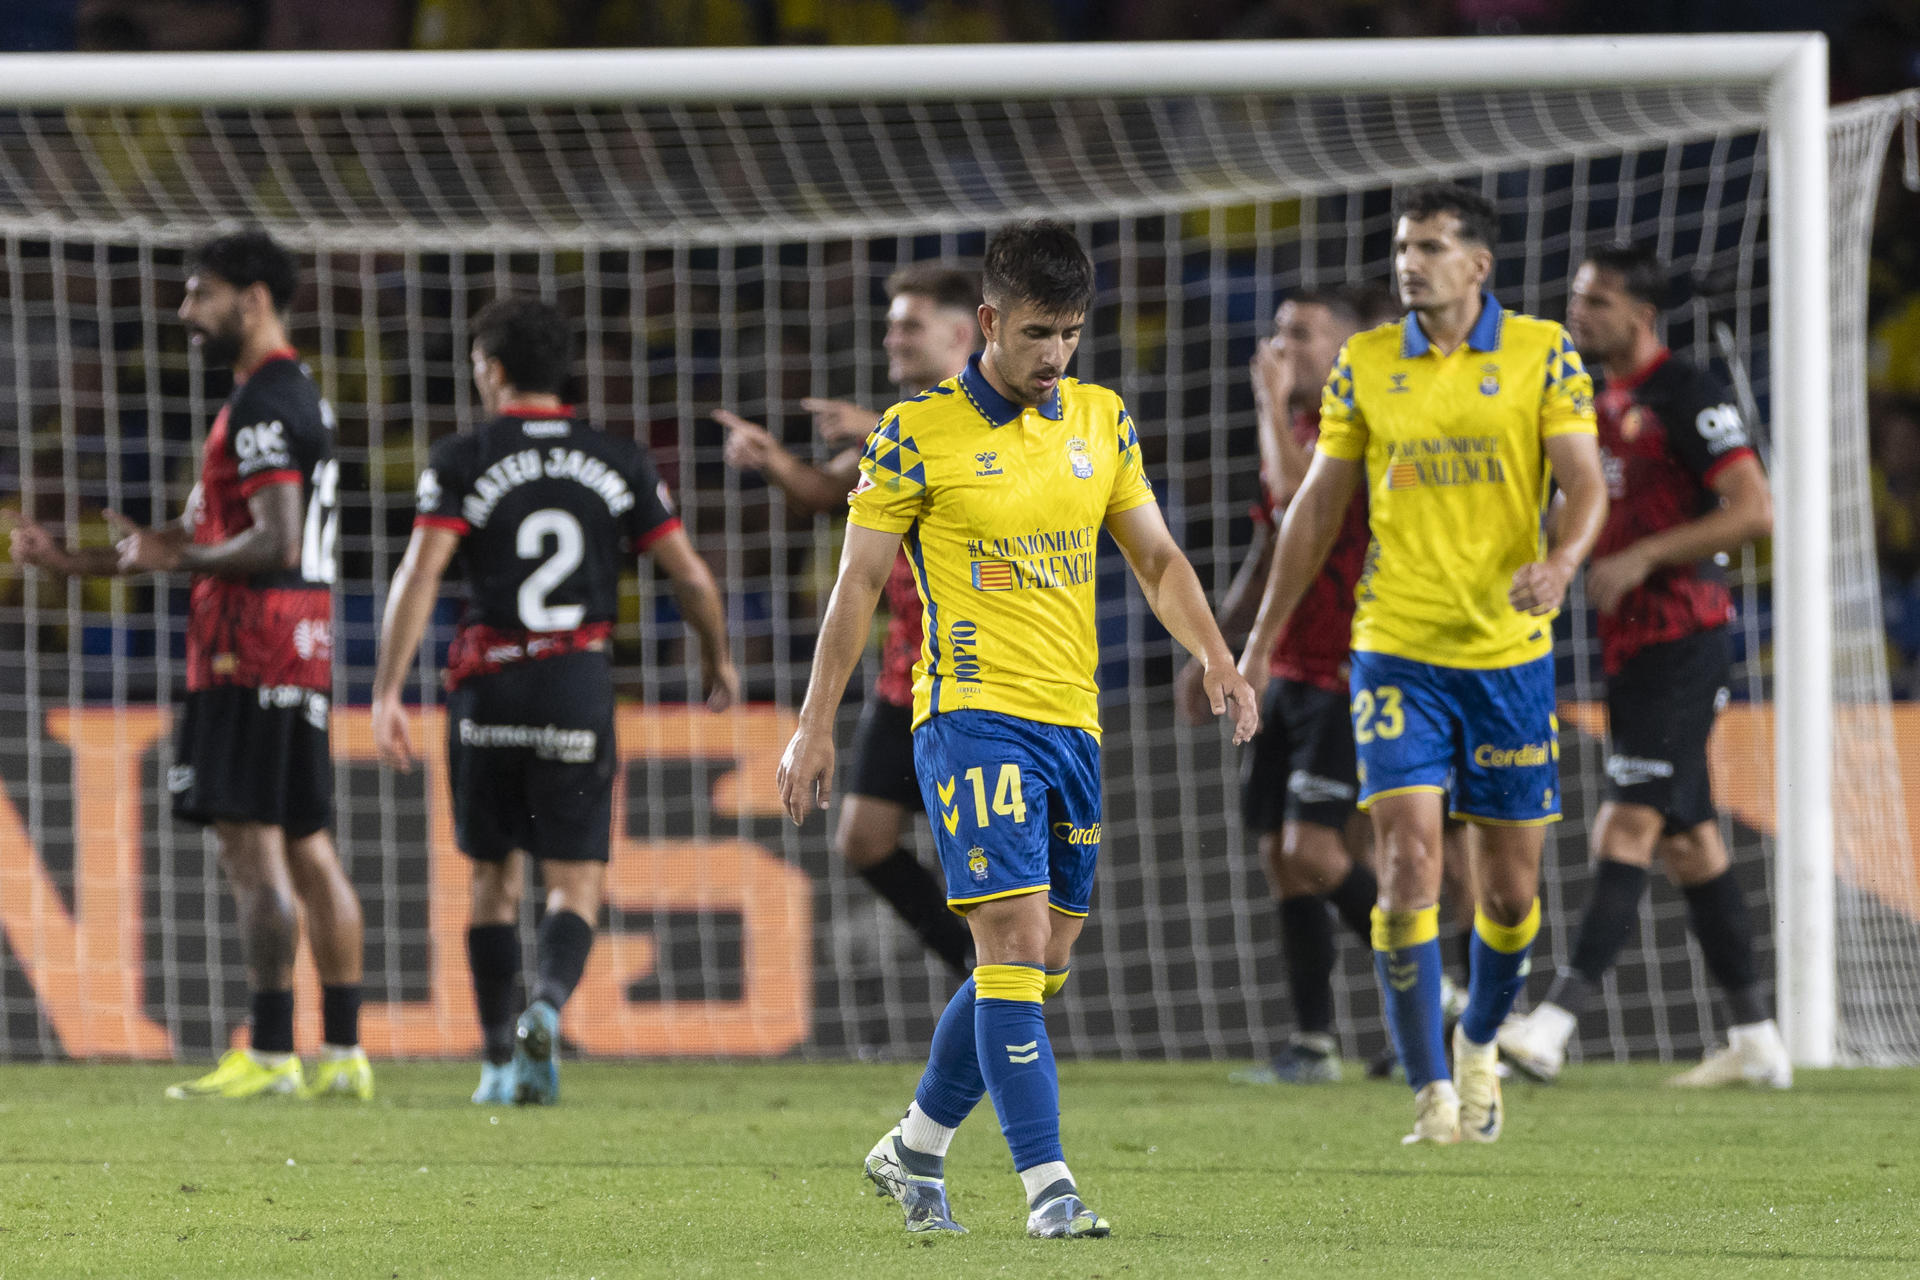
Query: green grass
(714, 1170)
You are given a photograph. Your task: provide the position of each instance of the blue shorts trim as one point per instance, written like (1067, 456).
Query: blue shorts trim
(1014, 805)
(1489, 738)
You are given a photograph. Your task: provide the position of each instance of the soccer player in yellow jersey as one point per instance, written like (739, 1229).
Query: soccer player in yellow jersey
(1454, 417)
(1000, 481)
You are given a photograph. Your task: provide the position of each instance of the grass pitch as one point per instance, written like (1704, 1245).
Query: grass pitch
(721, 1170)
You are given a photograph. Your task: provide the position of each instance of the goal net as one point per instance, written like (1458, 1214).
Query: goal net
(726, 249)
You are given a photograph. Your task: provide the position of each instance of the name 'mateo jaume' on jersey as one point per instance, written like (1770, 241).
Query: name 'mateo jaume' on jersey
(547, 508)
(1001, 507)
(1456, 475)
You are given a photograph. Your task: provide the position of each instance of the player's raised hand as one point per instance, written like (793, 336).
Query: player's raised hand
(30, 543)
(750, 446)
(840, 422)
(1539, 587)
(142, 550)
(806, 774)
(1272, 378)
(1230, 693)
(391, 737)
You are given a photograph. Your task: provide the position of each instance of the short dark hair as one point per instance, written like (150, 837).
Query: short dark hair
(250, 257)
(1039, 262)
(1361, 305)
(1478, 221)
(940, 284)
(532, 341)
(1638, 268)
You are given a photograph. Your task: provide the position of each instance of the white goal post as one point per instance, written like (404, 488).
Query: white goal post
(1788, 71)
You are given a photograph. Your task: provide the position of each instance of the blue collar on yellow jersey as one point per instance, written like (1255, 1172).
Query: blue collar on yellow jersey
(1484, 336)
(996, 408)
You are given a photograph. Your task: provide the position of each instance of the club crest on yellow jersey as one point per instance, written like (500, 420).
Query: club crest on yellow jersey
(1082, 460)
(1489, 379)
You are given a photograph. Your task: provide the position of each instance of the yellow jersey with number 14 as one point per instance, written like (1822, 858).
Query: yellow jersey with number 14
(1001, 507)
(1456, 476)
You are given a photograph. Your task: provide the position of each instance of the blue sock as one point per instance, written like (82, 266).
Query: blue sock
(950, 1087)
(1499, 971)
(1406, 959)
(1016, 1060)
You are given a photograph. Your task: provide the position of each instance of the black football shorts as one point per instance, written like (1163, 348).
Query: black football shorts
(1660, 712)
(253, 755)
(1300, 766)
(530, 759)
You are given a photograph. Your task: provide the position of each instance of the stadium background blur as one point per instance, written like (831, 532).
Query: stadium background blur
(1876, 49)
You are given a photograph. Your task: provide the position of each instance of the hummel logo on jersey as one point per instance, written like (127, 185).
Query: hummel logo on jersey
(1019, 1054)
(1634, 771)
(1399, 384)
(986, 460)
(540, 428)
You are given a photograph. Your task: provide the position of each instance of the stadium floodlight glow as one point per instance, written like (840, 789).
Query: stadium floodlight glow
(704, 171)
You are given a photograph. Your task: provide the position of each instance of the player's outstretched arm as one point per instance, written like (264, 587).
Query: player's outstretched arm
(841, 422)
(811, 489)
(30, 543)
(702, 607)
(410, 601)
(1538, 588)
(806, 769)
(270, 544)
(1173, 593)
(1307, 534)
(1745, 513)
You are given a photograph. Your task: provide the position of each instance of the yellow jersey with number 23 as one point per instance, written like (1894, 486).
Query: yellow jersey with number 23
(1456, 476)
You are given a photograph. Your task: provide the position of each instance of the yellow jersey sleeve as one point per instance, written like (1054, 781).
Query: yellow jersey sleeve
(892, 486)
(1343, 428)
(1130, 487)
(1566, 401)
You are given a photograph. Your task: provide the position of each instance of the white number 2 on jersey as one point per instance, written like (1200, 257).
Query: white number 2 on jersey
(531, 542)
(322, 529)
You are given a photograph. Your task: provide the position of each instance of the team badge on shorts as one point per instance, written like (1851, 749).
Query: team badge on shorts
(1082, 461)
(977, 864)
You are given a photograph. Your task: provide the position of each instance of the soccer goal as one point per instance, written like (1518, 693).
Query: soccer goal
(720, 222)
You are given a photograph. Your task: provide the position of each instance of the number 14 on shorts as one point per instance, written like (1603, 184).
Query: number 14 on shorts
(1007, 799)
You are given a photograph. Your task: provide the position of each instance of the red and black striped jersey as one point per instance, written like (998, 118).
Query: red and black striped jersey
(271, 629)
(1666, 434)
(548, 509)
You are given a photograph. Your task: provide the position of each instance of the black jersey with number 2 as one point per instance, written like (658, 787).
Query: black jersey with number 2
(548, 508)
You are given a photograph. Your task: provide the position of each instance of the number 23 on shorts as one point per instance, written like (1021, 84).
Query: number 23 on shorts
(1377, 714)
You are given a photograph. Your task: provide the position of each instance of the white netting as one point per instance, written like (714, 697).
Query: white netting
(732, 256)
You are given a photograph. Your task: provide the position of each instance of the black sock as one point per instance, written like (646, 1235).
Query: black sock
(1306, 940)
(493, 955)
(340, 1015)
(921, 902)
(272, 1022)
(1605, 927)
(1717, 914)
(565, 940)
(1354, 899)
